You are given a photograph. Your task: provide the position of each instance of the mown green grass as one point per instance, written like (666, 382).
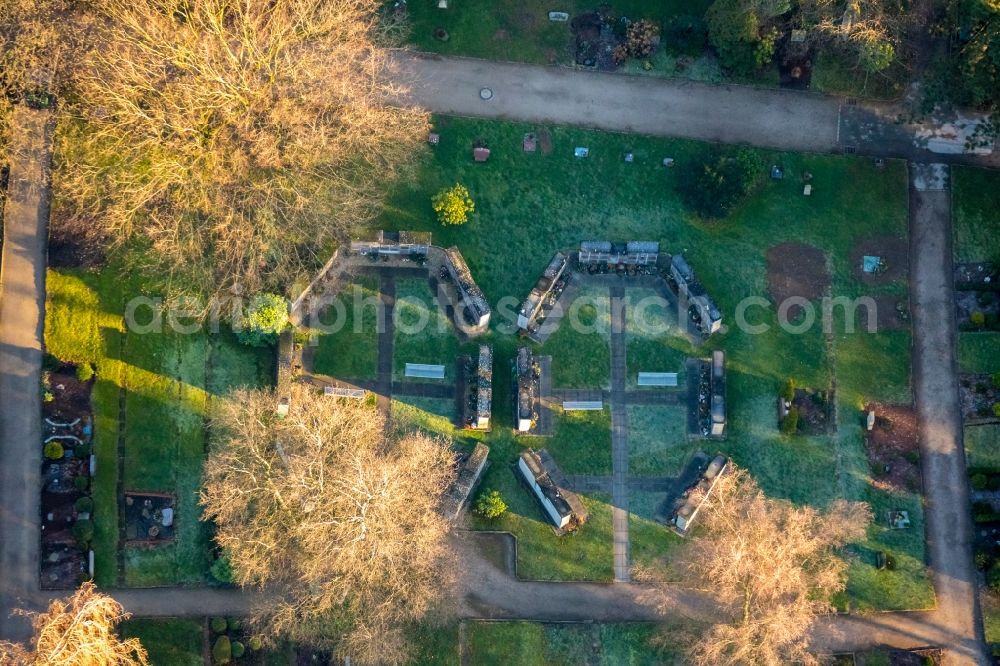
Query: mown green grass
(658, 443)
(653, 340)
(979, 352)
(169, 641)
(424, 333)
(651, 544)
(982, 446)
(991, 617)
(435, 645)
(581, 443)
(350, 350)
(169, 380)
(976, 199)
(580, 349)
(532, 643)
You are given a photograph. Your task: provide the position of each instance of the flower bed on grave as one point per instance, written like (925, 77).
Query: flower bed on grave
(149, 518)
(980, 397)
(66, 507)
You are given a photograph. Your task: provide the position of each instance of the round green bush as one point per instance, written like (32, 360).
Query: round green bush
(977, 319)
(234, 623)
(996, 409)
(238, 649)
(490, 505)
(83, 531)
(218, 625)
(979, 481)
(53, 451)
(222, 651)
(84, 505)
(81, 482)
(222, 570)
(255, 644)
(85, 372)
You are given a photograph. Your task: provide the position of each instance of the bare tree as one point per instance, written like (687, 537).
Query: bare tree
(337, 518)
(77, 632)
(770, 566)
(236, 139)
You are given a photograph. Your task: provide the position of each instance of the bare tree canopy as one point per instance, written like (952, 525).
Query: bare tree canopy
(236, 139)
(338, 519)
(77, 632)
(771, 567)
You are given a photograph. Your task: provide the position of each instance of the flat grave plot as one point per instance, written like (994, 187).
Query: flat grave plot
(581, 355)
(581, 441)
(423, 332)
(350, 351)
(149, 518)
(654, 342)
(893, 448)
(796, 270)
(982, 446)
(658, 441)
(976, 199)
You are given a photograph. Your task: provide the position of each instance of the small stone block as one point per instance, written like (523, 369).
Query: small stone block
(434, 138)
(560, 17)
(807, 190)
(668, 162)
(629, 157)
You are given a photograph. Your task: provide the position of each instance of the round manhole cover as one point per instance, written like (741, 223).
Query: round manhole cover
(486, 93)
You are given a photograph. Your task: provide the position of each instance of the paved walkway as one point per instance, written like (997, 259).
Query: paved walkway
(770, 118)
(619, 436)
(935, 380)
(22, 300)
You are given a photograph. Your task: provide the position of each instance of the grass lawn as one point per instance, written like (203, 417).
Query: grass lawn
(658, 444)
(650, 543)
(982, 446)
(979, 352)
(423, 333)
(581, 443)
(169, 380)
(580, 349)
(350, 350)
(991, 618)
(435, 645)
(533, 643)
(169, 642)
(653, 340)
(976, 194)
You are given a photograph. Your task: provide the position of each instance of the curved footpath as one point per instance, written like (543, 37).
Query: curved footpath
(770, 118)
